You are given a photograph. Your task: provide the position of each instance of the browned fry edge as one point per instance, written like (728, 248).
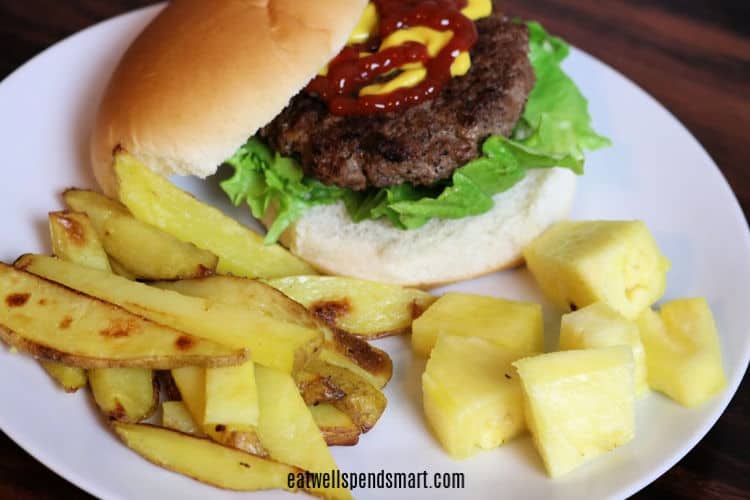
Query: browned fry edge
(365, 355)
(43, 352)
(334, 437)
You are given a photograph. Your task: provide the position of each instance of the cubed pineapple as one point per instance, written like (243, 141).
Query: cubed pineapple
(598, 325)
(516, 326)
(577, 263)
(471, 394)
(683, 354)
(579, 404)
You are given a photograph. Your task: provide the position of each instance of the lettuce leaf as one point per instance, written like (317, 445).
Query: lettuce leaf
(554, 131)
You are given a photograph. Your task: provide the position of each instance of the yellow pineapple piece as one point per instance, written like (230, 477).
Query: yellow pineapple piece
(577, 263)
(516, 326)
(472, 396)
(683, 354)
(579, 404)
(598, 325)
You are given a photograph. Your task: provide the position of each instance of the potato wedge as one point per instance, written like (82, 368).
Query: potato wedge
(287, 429)
(70, 378)
(358, 356)
(125, 394)
(54, 323)
(120, 270)
(204, 460)
(159, 256)
(176, 416)
(316, 388)
(363, 308)
(95, 205)
(337, 428)
(364, 403)
(74, 239)
(231, 395)
(249, 293)
(339, 348)
(273, 343)
(191, 382)
(156, 201)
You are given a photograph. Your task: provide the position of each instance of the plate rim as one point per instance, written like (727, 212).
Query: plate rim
(61, 469)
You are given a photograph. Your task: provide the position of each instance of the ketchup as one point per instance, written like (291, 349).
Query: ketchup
(348, 73)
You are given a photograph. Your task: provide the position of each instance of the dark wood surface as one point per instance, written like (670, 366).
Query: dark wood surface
(692, 55)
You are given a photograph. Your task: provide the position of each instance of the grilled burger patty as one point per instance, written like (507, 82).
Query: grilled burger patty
(425, 143)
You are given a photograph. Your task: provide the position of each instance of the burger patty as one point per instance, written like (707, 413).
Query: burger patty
(425, 143)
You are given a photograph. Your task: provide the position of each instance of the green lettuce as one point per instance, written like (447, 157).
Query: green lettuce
(554, 130)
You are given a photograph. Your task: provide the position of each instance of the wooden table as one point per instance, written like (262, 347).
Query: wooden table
(692, 55)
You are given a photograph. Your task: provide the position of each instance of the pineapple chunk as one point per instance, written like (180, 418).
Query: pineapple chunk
(516, 326)
(683, 354)
(579, 404)
(598, 325)
(577, 263)
(231, 395)
(472, 396)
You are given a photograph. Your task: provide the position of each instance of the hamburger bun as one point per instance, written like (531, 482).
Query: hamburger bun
(203, 77)
(441, 251)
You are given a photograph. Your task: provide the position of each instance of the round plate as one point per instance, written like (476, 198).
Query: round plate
(656, 172)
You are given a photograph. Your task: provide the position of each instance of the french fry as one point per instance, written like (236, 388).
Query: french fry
(160, 256)
(363, 402)
(96, 206)
(156, 201)
(204, 460)
(191, 382)
(120, 270)
(358, 356)
(125, 394)
(288, 430)
(274, 343)
(231, 395)
(363, 308)
(339, 348)
(74, 239)
(337, 428)
(54, 323)
(316, 388)
(176, 416)
(70, 378)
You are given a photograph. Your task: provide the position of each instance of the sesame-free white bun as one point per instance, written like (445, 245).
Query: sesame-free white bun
(205, 75)
(442, 251)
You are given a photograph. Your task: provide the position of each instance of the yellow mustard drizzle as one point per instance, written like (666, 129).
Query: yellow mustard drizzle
(413, 73)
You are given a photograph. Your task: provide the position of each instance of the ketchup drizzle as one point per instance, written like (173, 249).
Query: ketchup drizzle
(348, 73)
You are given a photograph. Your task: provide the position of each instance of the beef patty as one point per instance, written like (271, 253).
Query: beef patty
(425, 143)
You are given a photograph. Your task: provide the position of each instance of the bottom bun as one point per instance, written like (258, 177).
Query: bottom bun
(441, 251)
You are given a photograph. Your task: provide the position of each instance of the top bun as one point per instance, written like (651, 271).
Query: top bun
(204, 76)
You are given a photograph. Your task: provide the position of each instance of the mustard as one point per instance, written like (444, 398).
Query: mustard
(367, 25)
(477, 9)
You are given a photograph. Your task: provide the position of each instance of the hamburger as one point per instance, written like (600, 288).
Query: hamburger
(404, 141)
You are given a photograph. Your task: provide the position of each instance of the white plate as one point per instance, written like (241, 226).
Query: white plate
(656, 171)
